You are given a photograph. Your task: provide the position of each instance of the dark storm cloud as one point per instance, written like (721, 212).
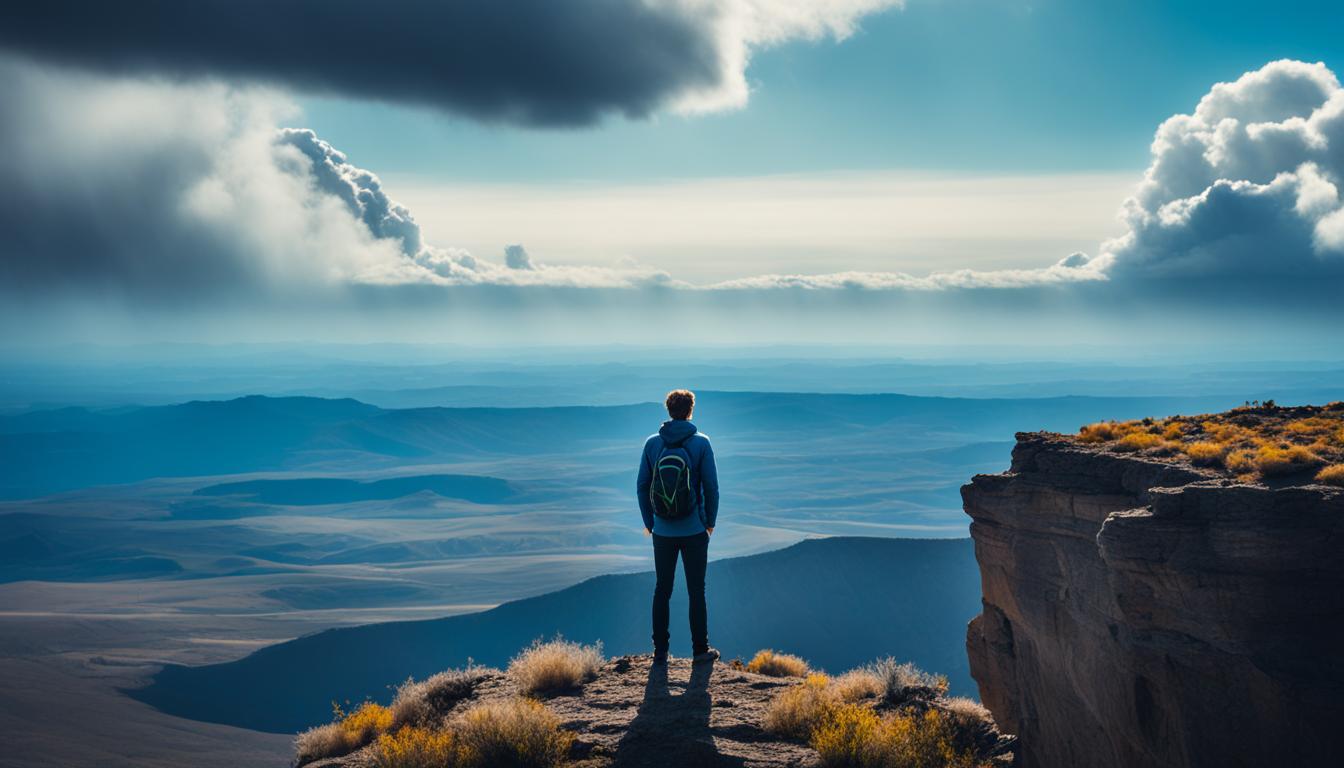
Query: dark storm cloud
(538, 62)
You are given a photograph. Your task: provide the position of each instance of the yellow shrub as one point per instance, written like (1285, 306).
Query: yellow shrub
(1138, 441)
(365, 723)
(848, 736)
(555, 666)
(768, 662)
(1205, 453)
(1272, 461)
(1240, 461)
(927, 741)
(796, 711)
(1331, 475)
(516, 733)
(855, 737)
(1106, 431)
(1226, 433)
(1174, 430)
(1314, 425)
(343, 736)
(414, 747)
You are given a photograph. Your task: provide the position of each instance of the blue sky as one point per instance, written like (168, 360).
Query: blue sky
(961, 85)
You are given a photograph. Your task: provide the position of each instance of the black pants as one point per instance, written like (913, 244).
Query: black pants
(694, 551)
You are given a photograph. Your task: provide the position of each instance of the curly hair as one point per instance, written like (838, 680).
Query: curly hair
(680, 403)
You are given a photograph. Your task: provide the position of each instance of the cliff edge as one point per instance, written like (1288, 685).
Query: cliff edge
(1140, 610)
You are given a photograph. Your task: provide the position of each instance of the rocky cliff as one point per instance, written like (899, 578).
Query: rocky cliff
(1139, 611)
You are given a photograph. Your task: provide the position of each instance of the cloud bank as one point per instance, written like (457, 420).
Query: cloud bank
(531, 62)
(196, 194)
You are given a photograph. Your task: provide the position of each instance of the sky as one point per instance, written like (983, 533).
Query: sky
(958, 172)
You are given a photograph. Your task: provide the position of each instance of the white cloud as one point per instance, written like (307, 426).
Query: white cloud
(156, 191)
(1075, 268)
(1243, 189)
(740, 27)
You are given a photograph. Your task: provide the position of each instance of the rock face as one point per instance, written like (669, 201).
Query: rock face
(1143, 613)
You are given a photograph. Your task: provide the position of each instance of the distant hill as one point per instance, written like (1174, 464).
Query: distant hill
(839, 602)
(334, 490)
(50, 451)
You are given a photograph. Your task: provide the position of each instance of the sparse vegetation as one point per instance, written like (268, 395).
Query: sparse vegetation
(320, 742)
(774, 664)
(1206, 454)
(1331, 475)
(859, 684)
(797, 711)
(902, 679)
(1138, 441)
(882, 715)
(514, 733)
(348, 733)
(1256, 442)
(852, 736)
(552, 667)
(1273, 461)
(843, 719)
(517, 733)
(966, 712)
(425, 702)
(416, 747)
(847, 737)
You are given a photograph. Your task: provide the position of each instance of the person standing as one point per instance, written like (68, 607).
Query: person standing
(678, 491)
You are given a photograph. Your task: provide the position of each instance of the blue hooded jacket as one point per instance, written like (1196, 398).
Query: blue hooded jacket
(704, 480)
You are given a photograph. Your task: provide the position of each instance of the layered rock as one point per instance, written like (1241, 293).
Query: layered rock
(1139, 612)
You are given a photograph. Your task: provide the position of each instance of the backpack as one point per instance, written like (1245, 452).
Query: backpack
(670, 492)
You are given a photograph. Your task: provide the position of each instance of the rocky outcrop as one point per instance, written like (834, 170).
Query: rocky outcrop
(635, 714)
(1139, 612)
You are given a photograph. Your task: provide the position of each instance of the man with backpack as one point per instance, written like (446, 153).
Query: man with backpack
(678, 490)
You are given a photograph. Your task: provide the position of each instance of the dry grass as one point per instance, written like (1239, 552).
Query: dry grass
(773, 664)
(426, 702)
(348, 733)
(556, 666)
(967, 709)
(852, 736)
(1138, 441)
(1274, 461)
(1206, 454)
(795, 712)
(902, 679)
(859, 684)
(321, 741)
(1254, 443)
(515, 733)
(518, 733)
(1242, 462)
(1100, 432)
(1331, 475)
(415, 747)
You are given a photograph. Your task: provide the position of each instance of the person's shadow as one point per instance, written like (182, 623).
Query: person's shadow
(673, 729)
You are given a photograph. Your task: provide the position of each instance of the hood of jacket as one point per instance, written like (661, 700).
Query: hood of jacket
(676, 431)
